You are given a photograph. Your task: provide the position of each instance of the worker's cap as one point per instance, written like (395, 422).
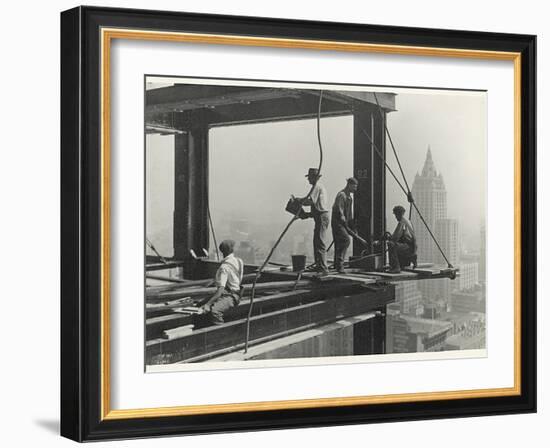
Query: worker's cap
(399, 209)
(227, 246)
(313, 172)
(353, 181)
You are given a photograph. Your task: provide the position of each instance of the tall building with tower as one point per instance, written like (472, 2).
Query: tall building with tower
(430, 197)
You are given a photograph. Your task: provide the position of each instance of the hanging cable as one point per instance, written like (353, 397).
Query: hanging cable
(162, 259)
(294, 218)
(213, 232)
(387, 132)
(407, 194)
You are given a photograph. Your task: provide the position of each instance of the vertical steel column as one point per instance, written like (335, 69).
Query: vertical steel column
(379, 175)
(379, 332)
(191, 191)
(362, 168)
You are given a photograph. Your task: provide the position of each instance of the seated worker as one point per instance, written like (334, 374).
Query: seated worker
(402, 244)
(228, 282)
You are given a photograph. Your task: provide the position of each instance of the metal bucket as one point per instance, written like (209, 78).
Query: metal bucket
(298, 263)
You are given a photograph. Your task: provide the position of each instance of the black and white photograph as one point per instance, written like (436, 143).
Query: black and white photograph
(290, 223)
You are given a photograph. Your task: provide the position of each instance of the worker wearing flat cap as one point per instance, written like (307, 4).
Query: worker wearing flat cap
(342, 222)
(402, 244)
(228, 281)
(318, 201)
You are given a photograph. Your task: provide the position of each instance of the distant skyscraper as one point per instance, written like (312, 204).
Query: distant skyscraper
(446, 231)
(409, 298)
(468, 278)
(430, 196)
(482, 256)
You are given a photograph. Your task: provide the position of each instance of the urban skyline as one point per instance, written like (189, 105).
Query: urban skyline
(440, 314)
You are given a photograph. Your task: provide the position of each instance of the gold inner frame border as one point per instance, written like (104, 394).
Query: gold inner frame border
(107, 35)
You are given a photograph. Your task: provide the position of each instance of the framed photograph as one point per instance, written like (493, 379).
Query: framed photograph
(274, 224)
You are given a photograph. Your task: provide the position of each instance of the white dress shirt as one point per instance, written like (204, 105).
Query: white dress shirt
(230, 273)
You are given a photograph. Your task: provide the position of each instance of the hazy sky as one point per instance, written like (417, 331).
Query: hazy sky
(455, 126)
(255, 168)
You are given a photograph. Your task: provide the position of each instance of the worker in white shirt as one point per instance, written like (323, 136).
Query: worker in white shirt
(402, 244)
(228, 282)
(318, 201)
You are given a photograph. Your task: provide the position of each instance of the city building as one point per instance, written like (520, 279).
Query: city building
(468, 301)
(468, 277)
(407, 334)
(409, 298)
(482, 256)
(430, 196)
(431, 311)
(460, 342)
(468, 331)
(446, 230)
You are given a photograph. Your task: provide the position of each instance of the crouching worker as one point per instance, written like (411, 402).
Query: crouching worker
(228, 282)
(402, 244)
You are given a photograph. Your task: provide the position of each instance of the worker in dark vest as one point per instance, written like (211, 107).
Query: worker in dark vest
(402, 244)
(342, 222)
(228, 282)
(318, 201)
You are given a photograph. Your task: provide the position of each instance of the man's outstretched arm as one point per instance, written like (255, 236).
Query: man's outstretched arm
(211, 300)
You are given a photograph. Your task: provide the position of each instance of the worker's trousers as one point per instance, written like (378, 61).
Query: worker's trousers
(319, 240)
(342, 241)
(219, 307)
(400, 254)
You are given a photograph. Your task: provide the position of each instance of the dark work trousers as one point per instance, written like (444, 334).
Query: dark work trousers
(342, 241)
(226, 301)
(319, 239)
(400, 254)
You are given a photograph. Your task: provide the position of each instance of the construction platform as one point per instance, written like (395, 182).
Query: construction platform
(292, 315)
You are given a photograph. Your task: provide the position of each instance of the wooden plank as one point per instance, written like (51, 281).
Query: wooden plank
(288, 275)
(165, 278)
(261, 305)
(177, 332)
(158, 289)
(162, 266)
(205, 291)
(155, 326)
(423, 271)
(268, 303)
(230, 336)
(353, 278)
(163, 307)
(386, 275)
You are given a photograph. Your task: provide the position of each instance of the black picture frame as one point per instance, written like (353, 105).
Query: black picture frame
(81, 225)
